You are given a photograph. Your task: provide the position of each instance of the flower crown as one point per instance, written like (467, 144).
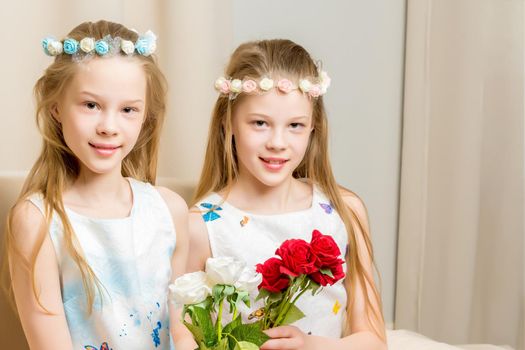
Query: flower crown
(233, 87)
(145, 45)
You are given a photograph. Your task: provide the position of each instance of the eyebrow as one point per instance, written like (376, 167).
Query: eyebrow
(267, 116)
(100, 98)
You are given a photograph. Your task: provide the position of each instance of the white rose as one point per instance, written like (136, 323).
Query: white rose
(219, 82)
(223, 270)
(190, 288)
(236, 85)
(266, 84)
(249, 280)
(305, 85)
(54, 48)
(127, 47)
(87, 44)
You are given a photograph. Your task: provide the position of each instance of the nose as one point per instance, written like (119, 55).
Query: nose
(277, 140)
(107, 124)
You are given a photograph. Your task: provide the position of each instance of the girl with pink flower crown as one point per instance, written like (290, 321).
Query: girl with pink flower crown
(91, 244)
(267, 178)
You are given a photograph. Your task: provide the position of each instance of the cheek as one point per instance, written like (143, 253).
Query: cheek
(244, 138)
(302, 142)
(133, 129)
(72, 127)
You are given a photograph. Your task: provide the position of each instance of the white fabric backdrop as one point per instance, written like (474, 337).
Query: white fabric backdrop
(461, 235)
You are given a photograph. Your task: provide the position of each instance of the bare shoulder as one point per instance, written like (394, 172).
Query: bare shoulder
(26, 225)
(176, 204)
(354, 202)
(356, 205)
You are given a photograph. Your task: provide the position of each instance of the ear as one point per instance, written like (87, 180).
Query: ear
(55, 112)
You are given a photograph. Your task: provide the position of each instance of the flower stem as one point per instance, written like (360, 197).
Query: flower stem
(286, 303)
(219, 321)
(298, 296)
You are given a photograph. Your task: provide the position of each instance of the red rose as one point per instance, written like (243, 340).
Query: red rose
(297, 257)
(324, 249)
(273, 280)
(326, 256)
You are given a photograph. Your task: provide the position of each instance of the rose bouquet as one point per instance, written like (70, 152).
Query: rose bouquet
(299, 267)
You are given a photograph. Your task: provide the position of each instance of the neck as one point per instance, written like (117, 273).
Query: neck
(251, 195)
(100, 188)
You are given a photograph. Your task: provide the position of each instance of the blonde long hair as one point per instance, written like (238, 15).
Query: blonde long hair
(284, 58)
(57, 166)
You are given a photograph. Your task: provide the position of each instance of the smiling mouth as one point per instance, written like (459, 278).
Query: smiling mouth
(275, 161)
(103, 147)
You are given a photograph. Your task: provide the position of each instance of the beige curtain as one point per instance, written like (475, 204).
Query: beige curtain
(460, 275)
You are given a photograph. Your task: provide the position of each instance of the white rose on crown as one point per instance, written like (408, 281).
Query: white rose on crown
(87, 45)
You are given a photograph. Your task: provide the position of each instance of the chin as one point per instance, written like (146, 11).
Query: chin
(271, 182)
(100, 169)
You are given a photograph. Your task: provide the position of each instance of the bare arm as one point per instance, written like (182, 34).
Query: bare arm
(43, 329)
(199, 252)
(179, 213)
(199, 242)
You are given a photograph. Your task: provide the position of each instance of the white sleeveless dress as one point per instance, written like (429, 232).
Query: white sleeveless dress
(132, 258)
(253, 238)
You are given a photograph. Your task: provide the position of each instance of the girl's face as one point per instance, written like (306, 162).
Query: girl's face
(102, 111)
(271, 133)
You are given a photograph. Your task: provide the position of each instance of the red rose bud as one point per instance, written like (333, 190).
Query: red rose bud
(297, 257)
(272, 279)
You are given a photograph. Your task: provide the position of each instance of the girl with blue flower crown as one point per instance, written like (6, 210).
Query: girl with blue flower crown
(267, 178)
(91, 244)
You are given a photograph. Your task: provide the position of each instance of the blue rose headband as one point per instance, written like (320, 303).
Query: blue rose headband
(145, 45)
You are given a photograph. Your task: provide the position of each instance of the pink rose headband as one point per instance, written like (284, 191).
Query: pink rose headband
(233, 87)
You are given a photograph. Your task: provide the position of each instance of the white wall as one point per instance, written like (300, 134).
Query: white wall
(361, 45)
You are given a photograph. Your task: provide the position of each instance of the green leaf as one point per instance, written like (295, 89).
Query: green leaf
(232, 325)
(217, 292)
(203, 346)
(314, 286)
(228, 290)
(275, 297)
(202, 319)
(195, 331)
(245, 345)
(263, 293)
(293, 314)
(246, 299)
(327, 272)
(223, 345)
(250, 333)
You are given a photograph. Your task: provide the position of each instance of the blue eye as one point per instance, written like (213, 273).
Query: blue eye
(296, 125)
(260, 123)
